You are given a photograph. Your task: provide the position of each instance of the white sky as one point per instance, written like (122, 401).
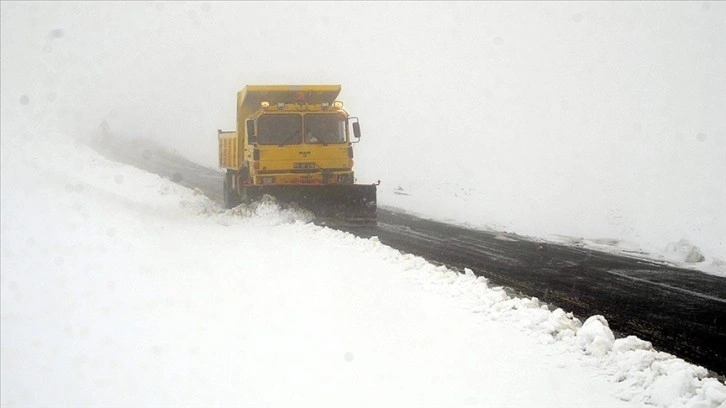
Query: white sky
(595, 120)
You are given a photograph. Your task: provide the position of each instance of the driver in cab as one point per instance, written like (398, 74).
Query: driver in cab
(325, 133)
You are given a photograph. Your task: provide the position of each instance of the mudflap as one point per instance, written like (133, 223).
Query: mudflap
(334, 205)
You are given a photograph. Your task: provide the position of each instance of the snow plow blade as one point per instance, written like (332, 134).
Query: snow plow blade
(334, 204)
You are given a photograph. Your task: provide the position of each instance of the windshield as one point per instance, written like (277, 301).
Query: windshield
(279, 129)
(324, 128)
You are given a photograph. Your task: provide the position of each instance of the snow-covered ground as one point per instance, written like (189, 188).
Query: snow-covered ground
(120, 288)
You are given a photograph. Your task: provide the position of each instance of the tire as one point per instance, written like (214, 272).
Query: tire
(231, 199)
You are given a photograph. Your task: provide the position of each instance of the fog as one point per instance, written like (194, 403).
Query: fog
(598, 119)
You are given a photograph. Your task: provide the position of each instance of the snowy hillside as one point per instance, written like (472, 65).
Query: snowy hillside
(596, 123)
(120, 288)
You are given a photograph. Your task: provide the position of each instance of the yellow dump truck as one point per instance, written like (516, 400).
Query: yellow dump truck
(293, 142)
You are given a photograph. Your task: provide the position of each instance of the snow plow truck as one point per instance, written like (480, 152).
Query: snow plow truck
(293, 142)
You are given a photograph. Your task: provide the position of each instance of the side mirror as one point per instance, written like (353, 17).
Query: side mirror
(251, 135)
(356, 128)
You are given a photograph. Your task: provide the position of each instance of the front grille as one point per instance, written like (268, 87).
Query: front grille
(299, 171)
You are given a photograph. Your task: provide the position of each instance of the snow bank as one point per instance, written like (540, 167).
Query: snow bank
(595, 336)
(643, 374)
(660, 379)
(684, 251)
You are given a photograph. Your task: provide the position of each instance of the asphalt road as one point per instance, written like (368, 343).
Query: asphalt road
(680, 311)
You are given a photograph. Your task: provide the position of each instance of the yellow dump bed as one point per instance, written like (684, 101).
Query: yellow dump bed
(229, 150)
(250, 97)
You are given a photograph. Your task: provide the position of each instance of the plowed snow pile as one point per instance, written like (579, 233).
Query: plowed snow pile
(120, 288)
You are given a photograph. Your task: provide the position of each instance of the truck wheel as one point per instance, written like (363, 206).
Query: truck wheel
(231, 199)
